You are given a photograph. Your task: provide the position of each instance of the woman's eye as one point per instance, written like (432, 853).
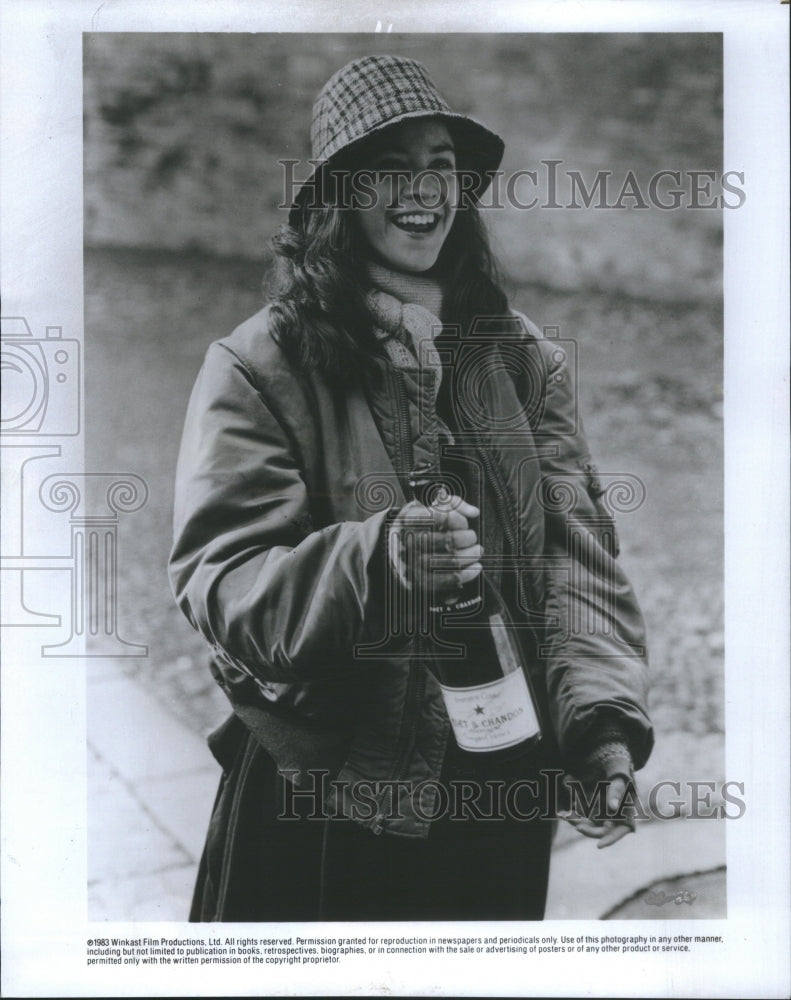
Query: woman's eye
(443, 164)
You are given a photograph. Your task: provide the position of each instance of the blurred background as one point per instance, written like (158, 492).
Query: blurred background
(183, 134)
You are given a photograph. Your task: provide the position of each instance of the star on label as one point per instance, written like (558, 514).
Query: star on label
(478, 710)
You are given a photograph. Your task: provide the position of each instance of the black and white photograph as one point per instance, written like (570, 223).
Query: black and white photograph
(383, 367)
(395, 510)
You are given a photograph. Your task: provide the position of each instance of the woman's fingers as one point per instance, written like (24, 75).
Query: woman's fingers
(614, 832)
(449, 583)
(458, 520)
(438, 547)
(449, 561)
(453, 514)
(616, 792)
(606, 831)
(454, 541)
(448, 517)
(582, 824)
(453, 504)
(463, 557)
(447, 542)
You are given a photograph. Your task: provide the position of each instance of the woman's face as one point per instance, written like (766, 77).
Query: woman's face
(414, 181)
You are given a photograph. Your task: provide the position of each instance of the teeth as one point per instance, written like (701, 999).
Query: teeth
(415, 220)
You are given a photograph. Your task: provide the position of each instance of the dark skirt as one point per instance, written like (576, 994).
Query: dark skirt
(479, 862)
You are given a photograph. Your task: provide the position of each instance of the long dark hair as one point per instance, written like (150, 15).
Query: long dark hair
(319, 317)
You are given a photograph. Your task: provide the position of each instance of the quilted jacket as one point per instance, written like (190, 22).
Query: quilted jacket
(285, 486)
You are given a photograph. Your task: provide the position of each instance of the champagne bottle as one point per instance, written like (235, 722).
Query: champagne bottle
(480, 664)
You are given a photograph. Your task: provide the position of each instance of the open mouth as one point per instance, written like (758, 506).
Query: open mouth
(416, 222)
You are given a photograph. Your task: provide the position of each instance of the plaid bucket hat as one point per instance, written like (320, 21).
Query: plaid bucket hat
(372, 93)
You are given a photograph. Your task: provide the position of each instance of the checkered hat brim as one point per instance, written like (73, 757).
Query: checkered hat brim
(375, 92)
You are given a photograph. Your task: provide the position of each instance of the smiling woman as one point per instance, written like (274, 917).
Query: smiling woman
(389, 530)
(415, 195)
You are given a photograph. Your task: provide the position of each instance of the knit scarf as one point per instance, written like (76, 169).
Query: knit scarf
(405, 310)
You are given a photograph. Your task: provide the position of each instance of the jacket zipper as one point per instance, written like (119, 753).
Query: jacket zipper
(500, 500)
(416, 681)
(503, 512)
(405, 449)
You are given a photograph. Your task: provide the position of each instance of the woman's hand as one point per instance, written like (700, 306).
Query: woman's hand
(603, 804)
(606, 830)
(434, 549)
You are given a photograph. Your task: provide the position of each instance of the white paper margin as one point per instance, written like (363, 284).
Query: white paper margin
(43, 732)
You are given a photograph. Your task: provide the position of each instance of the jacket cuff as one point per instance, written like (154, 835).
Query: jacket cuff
(607, 756)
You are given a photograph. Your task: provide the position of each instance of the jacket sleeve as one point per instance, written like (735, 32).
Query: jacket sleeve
(594, 642)
(283, 601)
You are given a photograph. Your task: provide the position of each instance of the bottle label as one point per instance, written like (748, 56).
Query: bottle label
(492, 716)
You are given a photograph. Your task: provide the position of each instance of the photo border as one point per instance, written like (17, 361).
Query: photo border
(43, 724)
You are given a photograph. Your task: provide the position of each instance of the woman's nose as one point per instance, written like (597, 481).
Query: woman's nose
(423, 187)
